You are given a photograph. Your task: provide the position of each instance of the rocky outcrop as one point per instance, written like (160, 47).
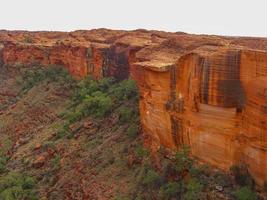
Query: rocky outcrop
(208, 92)
(214, 102)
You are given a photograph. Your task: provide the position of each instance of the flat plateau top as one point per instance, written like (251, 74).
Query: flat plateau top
(157, 50)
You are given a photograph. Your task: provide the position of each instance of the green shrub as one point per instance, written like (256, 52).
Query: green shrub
(60, 75)
(197, 170)
(97, 98)
(63, 132)
(183, 161)
(182, 164)
(200, 173)
(171, 190)
(125, 114)
(32, 77)
(124, 90)
(3, 161)
(141, 152)
(17, 186)
(86, 86)
(152, 179)
(98, 104)
(6, 144)
(55, 163)
(75, 116)
(194, 189)
(132, 131)
(105, 83)
(244, 193)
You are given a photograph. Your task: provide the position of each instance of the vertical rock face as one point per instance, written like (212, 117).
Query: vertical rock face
(207, 92)
(215, 103)
(254, 78)
(1, 54)
(154, 94)
(118, 62)
(206, 103)
(96, 62)
(25, 54)
(73, 57)
(220, 80)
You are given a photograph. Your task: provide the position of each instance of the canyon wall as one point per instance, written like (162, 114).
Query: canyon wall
(207, 92)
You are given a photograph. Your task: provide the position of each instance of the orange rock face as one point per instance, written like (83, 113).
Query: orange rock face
(74, 58)
(25, 54)
(208, 92)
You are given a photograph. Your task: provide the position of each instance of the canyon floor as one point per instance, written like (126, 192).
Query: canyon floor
(61, 138)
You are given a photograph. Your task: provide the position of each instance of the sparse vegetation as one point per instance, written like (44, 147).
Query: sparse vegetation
(171, 190)
(242, 176)
(98, 98)
(125, 114)
(3, 161)
(193, 190)
(56, 162)
(244, 193)
(28, 39)
(17, 186)
(37, 74)
(98, 104)
(99, 131)
(151, 180)
(132, 130)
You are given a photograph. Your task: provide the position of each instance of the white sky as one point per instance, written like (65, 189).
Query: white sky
(221, 17)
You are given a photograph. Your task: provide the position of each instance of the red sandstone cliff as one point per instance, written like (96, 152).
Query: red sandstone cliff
(208, 92)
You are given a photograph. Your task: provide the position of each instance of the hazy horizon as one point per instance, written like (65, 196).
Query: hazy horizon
(228, 18)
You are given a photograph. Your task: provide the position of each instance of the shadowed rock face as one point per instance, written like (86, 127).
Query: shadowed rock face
(1, 54)
(208, 92)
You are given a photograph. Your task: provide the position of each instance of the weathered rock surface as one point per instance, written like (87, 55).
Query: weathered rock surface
(208, 92)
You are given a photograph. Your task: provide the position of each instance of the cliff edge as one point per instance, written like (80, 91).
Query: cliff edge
(207, 92)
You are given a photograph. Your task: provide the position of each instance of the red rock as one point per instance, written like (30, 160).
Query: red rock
(24, 54)
(37, 146)
(208, 92)
(88, 124)
(39, 162)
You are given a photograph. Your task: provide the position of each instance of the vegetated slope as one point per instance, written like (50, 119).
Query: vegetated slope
(66, 139)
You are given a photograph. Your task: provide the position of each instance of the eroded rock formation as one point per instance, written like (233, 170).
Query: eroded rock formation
(208, 92)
